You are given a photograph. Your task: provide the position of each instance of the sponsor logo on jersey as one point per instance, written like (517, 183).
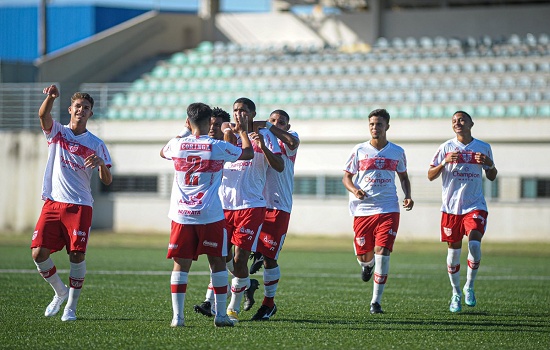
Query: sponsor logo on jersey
(377, 179)
(247, 231)
(210, 244)
(360, 241)
(447, 231)
(239, 165)
(189, 212)
(70, 164)
(79, 233)
(465, 174)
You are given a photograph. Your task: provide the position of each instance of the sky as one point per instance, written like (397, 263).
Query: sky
(188, 5)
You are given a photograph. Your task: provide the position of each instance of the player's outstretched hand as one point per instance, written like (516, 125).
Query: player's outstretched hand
(52, 91)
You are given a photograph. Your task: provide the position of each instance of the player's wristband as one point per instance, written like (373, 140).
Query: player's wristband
(268, 125)
(443, 162)
(226, 129)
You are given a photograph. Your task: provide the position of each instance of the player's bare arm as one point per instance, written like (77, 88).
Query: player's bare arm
(241, 127)
(275, 160)
(408, 203)
(44, 113)
(94, 161)
(435, 171)
(347, 180)
(287, 138)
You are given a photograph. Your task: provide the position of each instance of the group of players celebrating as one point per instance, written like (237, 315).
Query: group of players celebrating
(232, 198)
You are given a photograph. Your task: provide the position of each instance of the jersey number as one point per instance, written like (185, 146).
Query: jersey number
(195, 162)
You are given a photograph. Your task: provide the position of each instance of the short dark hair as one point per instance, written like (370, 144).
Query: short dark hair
(217, 112)
(248, 102)
(82, 96)
(281, 112)
(382, 113)
(198, 112)
(464, 113)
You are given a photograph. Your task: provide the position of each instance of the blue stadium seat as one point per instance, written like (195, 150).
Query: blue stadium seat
(482, 111)
(544, 110)
(529, 111)
(406, 112)
(513, 111)
(179, 58)
(498, 111)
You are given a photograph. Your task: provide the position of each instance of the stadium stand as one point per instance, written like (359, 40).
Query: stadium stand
(418, 78)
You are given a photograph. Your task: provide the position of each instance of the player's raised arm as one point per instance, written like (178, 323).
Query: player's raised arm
(275, 160)
(44, 113)
(241, 127)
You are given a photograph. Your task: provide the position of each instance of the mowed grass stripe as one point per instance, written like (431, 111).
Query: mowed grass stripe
(322, 302)
(260, 276)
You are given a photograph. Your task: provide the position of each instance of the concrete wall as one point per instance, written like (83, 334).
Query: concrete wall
(134, 147)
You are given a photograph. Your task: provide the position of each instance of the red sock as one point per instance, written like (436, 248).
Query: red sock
(269, 302)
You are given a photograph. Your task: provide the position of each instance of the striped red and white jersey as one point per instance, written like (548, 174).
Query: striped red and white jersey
(374, 172)
(243, 181)
(198, 164)
(66, 179)
(462, 181)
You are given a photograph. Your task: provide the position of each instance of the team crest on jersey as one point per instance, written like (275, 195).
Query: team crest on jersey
(360, 241)
(73, 147)
(379, 163)
(467, 157)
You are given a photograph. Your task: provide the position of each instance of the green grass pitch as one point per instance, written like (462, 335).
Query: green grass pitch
(322, 302)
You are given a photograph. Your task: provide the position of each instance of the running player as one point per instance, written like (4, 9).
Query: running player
(370, 178)
(461, 162)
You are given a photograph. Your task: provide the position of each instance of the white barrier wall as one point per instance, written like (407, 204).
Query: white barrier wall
(135, 146)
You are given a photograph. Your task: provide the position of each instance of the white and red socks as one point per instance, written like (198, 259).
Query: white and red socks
(381, 269)
(453, 269)
(76, 281)
(238, 286)
(210, 292)
(49, 272)
(219, 291)
(474, 258)
(271, 281)
(366, 264)
(178, 286)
